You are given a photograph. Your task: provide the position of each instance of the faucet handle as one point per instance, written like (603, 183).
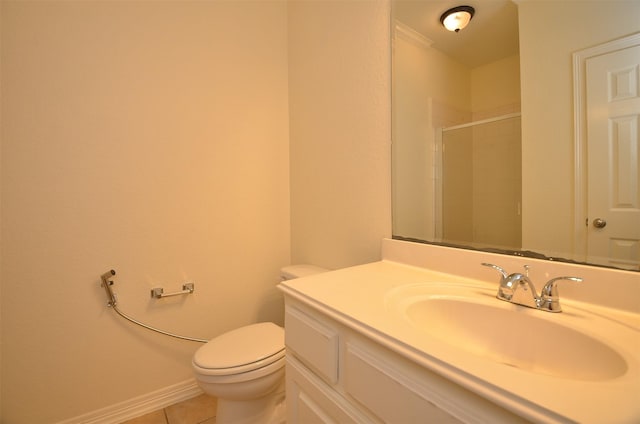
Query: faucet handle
(497, 268)
(549, 299)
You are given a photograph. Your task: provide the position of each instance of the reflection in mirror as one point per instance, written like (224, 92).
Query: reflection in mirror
(480, 183)
(471, 170)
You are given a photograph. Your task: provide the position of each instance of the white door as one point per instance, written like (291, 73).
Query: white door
(613, 113)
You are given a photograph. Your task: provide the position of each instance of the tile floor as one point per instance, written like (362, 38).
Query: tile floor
(198, 410)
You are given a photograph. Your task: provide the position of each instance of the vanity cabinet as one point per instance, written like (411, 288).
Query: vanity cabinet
(337, 374)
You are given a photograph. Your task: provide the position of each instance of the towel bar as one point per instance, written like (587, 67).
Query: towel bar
(158, 292)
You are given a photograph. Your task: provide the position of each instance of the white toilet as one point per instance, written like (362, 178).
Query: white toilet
(244, 368)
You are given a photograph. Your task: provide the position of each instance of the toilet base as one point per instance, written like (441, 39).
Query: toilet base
(270, 409)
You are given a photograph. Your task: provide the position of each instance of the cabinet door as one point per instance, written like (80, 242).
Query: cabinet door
(313, 343)
(311, 401)
(310, 412)
(387, 393)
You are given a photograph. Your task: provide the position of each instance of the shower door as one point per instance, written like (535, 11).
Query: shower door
(482, 183)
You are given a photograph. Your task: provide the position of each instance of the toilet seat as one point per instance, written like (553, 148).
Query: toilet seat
(241, 350)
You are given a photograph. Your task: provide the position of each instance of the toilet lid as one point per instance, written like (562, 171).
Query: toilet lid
(262, 342)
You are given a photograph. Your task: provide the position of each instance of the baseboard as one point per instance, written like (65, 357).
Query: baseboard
(141, 405)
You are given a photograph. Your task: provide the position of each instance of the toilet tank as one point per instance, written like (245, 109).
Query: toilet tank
(296, 271)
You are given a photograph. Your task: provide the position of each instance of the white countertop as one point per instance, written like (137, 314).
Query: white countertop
(358, 297)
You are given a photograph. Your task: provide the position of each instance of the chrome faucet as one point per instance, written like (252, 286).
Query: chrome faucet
(519, 289)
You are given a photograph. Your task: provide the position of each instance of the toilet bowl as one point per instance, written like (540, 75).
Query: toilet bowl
(244, 369)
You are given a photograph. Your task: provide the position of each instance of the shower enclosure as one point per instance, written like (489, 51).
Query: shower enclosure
(478, 183)
(460, 184)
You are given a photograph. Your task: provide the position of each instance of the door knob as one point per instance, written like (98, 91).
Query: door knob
(599, 223)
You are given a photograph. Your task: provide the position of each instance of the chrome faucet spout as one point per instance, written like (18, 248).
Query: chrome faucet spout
(519, 289)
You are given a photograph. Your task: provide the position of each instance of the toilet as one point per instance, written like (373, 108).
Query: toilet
(244, 368)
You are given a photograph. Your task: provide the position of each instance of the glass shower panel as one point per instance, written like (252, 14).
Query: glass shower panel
(482, 183)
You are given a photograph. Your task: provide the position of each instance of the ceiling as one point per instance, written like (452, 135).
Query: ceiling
(491, 35)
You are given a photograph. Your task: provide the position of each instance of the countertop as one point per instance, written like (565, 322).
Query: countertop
(359, 298)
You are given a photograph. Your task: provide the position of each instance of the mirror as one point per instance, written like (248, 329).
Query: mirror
(487, 148)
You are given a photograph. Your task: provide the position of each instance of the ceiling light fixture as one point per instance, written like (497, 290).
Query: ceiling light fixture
(457, 18)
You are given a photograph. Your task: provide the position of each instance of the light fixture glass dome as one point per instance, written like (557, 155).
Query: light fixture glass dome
(457, 18)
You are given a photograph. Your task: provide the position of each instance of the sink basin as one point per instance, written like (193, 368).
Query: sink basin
(518, 337)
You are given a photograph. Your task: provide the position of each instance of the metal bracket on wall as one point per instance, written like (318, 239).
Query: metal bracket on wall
(106, 283)
(158, 292)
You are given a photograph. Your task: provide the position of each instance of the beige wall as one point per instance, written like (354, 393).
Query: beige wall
(153, 138)
(495, 88)
(339, 101)
(547, 41)
(149, 137)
